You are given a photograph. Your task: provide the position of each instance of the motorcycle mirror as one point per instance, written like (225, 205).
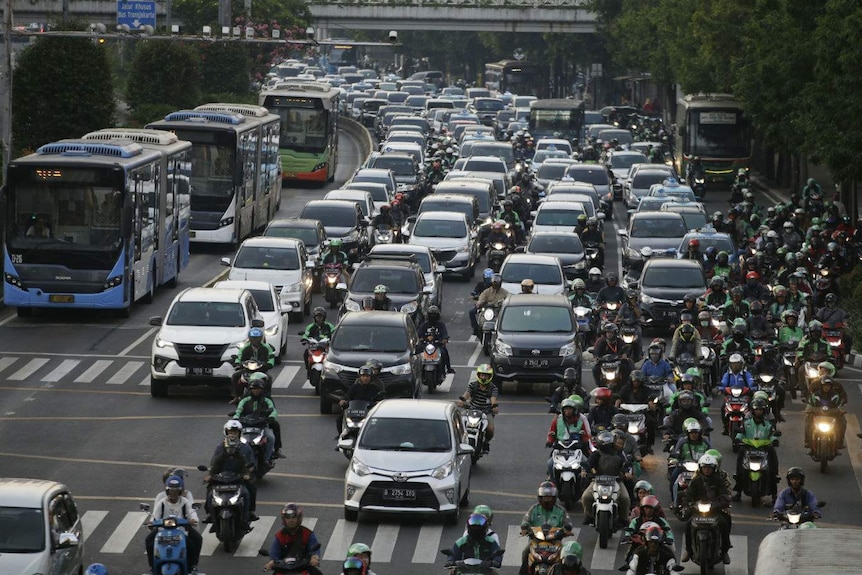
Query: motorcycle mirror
(202, 468)
(196, 506)
(263, 552)
(144, 506)
(677, 568)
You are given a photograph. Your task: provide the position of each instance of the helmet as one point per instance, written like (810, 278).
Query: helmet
(612, 277)
(582, 218)
(571, 561)
(737, 291)
(578, 401)
(758, 404)
(815, 325)
(571, 549)
(788, 313)
(694, 243)
(752, 275)
(756, 307)
(645, 485)
(486, 511)
(498, 226)
(366, 370)
(578, 283)
(255, 332)
(796, 472)
(716, 283)
(568, 403)
(603, 393)
(96, 569)
(686, 329)
(631, 294)
(704, 315)
(507, 204)
(649, 501)
(831, 298)
(689, 297)
(231, 425)
(174, 482)
(619, 421)
(779, 291)
(352, 564)
(707, 460)
(807, 525)
(547, 488)
(760, 394)
(604, 438)
(488, 273)
(637, 375)
(768, 349)
(291, 511)
(477, 524)
(385, 209)
(433, 313)
(257, 381)
(827, 367)
(319, 311)
(691, 425)
(358, 549)
(570, 375)
(380, 288)
(654, 534)
(595, 272)
(527, 283)
(484, 373)
(376, 365)
(736, 358)
(687, 378)
(496, 279)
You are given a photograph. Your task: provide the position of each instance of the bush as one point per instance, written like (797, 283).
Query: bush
(850, 286)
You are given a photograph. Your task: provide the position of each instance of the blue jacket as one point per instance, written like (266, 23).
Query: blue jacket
(787, 499)
(742, 379)
(661, 369)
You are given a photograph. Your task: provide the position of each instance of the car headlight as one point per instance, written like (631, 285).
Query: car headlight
(463, 247)
(292, 288)
(580, 265)
(401, 369)
(333, 367)
(409, 307)
(646, 299)
(567, 349)
(271, 330)
(359, 468)
(163, 343)
(503, 348)
(351, 305)
(444, 470)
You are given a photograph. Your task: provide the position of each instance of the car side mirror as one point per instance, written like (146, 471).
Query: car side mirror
(345, 443)
(622, 233)
(257, 323)
(155, 320)
(411, 219)
(428, 290)
(634, 285)
(473, 235)
(521, 250)
(440, 268)
(465, 449)
(225, 262)
(310, 263)
(601, 215)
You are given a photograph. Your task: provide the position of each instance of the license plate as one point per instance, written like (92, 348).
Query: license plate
(669, 314)
(61, 299)
(199, 371)
(393, 494)
(536, 363)
(566, 452)
(703, 520)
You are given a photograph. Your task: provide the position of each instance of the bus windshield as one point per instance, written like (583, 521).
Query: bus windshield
(213, 161)
(718, 133)
(303, 129)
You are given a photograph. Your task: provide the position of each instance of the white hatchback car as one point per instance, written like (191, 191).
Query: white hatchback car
(197, 340)
(545, 271)
(275, 316)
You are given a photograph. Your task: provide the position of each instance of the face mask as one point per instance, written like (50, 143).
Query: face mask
(704, 324)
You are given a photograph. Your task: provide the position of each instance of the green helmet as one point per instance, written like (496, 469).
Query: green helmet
(760, 395)
(807, 525)
(357, 549)
(486, 511)
(578, 283)
(572, 548)
(715, 453)
(644, 484)
(577, 401)
(257, 379)
(691, 424)
(335, 243)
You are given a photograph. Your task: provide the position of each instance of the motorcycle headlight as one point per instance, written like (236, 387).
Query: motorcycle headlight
(704, 352)
(690, 466)
(359, 468)
(567, 349)
(234, 500)
(704, 506)
(351, 305)
(793, 518)
(604, 491)
(766, 377)
(628, 338)
(401, 369)
(163, 343)
(409, 307)
(646, 299)
(218, 499)
(835, 343)
(609, 374)
(488, 314)
(443, 471)
(735, 391)
(503, 348)
(633, 427)
(430, 348)
(824, 426)
(612, 305)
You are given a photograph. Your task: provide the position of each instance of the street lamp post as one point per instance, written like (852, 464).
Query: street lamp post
(6, 86)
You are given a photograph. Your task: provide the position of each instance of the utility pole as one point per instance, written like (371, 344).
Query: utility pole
(6, 87)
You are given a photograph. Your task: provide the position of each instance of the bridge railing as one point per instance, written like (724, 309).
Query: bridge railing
(462, 3)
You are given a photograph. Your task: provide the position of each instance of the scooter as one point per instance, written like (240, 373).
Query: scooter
(705, 536)
(755, 462)
(254, 435)
(736, 408)
(170, 555)
(432, 362)
(384, 234)
(227, 505)
(606, 490)
(317, 350)
(635, 414)
(824, 437)
(488, 317)
(569, 460)
(546, 542)
(497, 252)
(795, 516)
(291, 564)
(834, 336)
(470, 566)
(354, 416)
(331, 279)
(250, 367)
(689, 467)
(584, 336)
(609, 371)
(788, 355)
(476, 423)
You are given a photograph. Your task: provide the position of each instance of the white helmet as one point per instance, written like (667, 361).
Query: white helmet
(232, 424)
(595, 271)
(736, 357)
(707, 459)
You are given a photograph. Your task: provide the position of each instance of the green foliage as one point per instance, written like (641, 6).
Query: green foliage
(165, 73)
(195, 14)
(225, 67)
(61, 89)
(851, 286)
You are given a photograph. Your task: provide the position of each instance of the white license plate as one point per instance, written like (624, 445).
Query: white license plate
(199, 371)
(536, 363)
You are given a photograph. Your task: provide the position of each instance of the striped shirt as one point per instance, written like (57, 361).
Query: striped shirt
(480, 398)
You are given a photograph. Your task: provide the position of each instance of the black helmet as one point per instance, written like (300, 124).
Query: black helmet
(385, 209)
(507, 204)
(638, 375)
(610, 327)
(620, 421)
(768, 349)
(366, 370)
(756, 307)
(689, 297)
(631, 294)
(319, 311)
(796, 472)
(716, 283)
(831, 298)
(433, 313)
(686, 329)
(612, 277)
(737, 291)
(570, 375)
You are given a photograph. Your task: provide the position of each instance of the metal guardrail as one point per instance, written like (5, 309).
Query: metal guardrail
(532, 4)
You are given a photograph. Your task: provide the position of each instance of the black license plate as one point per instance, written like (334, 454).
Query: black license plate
(700, 520)
(536, 363)
(199, 371)
(396, 494)
(670, 314)
(61, 299)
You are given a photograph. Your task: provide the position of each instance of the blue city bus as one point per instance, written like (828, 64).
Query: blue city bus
(86, 223)
(235, 178)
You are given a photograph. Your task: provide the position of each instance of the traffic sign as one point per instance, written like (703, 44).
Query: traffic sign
(135, 13)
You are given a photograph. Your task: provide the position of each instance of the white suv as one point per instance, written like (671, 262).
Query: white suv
(203, 330)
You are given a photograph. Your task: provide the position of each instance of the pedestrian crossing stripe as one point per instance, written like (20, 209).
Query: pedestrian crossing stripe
(129, 532)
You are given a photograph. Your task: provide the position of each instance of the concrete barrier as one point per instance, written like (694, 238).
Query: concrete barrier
(810, 552)
(360, 134)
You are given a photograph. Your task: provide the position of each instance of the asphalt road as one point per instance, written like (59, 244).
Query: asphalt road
(75, 407)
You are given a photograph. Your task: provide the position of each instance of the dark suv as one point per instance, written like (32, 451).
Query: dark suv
(404, 280)
(535, 339)
(389, 337)
(663, 284)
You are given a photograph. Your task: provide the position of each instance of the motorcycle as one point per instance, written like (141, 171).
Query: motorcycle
(609, 371)
(353, 418)
(606, 490)
(227, 507)
(250, 367)
(584, 337)
(475, 423)
(736, 408)
(834, 336)
(795, 516)
(331, 279)
(755, 462)
(432, 362)
(470, 566)
(705, 536)
(608, 312)
(488, 317)
(169, 548)
(810, 373)
(824, 437)
(708, 364)
(592, 254)
(569, 460)
(683, 363)
(630, 335)
(759, 339)
(253, 434)
(689, 468)
(788, 356)
(291, 564)
(546, 543)
(659, 389)
(766, 383)
(317, 351)
(497, 252)
(635, 414)
(385, 234)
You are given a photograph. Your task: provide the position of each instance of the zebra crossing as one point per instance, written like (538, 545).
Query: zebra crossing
(117, 533)
(126, 371)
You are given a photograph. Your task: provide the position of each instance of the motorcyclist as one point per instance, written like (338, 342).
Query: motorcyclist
(736, 376)
(687, 383)
(607, 460)
(384, 218)
(795, 495)
(546, 512)
(568, 424)
(571, 386)
(527, 286)
(756, 426)
(656, 551)
(609, 344)
(433, 324)
(482, 394)
(593, 235)
(333, 255)
(778, 306)
(655, 365)
(493, 296)
(708, 485)
(578, 295)
(483, 284)
(686, 339)
(827, 399)
(693, 251)
(571, 561)
(174, 503)
(736, 307)
(694, 169)
(722, 268)
(498, 235)
(687, 408)
(594, 281)
(256, 349)
(399, 212)
(716, 296)
(832, 316)
(489, 515)
(635, 392)
(611, 292)
(689, 447)
(511, 217)
(754, 290)
(708, 332)
(811, 186)
(230, 458)
(477, 544)
(631, 314)
(258, 403)
(362, 552)
(294, 540)
(813, 345)
(318, 329)
(790, 331)
(790, 236)
(381, 300)
(602, 413)
(365, 388)
(738, 342)
(769, 364)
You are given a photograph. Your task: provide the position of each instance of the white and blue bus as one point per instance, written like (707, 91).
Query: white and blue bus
(96, 223)
(235, 179)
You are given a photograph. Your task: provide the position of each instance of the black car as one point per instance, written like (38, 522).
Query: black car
(404, 280)
(389, 337)
(565, 246)
(341, 219)
(535, 339)
(663, 284)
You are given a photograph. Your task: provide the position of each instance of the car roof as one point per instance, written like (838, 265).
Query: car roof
(243, 284)
(673, 263)
(655, 214)
(554, 141)
(532, 259)
(20, 492)
(414, 408)
(373, 318)
(538, 299)
(203, 294)
(342, 204)
(348, 194)
(449, 198)
(440, 215)
(683, 207)
(406, 249)
(271, 242)
(486, 159)
(296, 222)
(371, 262)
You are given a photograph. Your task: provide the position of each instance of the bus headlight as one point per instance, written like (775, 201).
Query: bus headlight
(113, 282)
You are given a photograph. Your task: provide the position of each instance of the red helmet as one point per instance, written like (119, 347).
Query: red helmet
(396, 203)
(695, 243)
(603, 393)
(399, 196)
(752, 276)
(649, 501)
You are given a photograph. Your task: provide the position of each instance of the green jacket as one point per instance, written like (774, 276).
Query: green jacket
(753, 430)
(538, 516)
(248, 352)
(699, 397)
(787, 333)
(249, 405)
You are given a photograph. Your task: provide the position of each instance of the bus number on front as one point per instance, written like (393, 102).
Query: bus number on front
(17, 258)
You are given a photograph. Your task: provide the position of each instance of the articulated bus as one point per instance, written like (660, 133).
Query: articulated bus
(557, 118)
(714, 127)
(235, 187)
(308, 142)
(514, 76)
(96, 223)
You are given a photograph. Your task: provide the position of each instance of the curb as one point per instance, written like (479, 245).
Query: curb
(854, 360)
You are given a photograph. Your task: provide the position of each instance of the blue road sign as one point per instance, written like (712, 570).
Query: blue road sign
(135, 14)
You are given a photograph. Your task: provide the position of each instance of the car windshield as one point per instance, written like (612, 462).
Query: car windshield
(430, 228)
(683, 194)
(22, 530)
(490, 105)
(643, 180)
(378, 193)
(401, 281)
(263, 299)
(556, 244)
(308, 236)
(651, 204)
(657, 228)
(693, 220)
(624, 161)
(552, 217)
(337, 218)
(405, 434)
(552, 171)
(543, 155)
(676, 277)
(206, 314)
(539, 273)
(372, 338)
(484, 166)
(261, 257)
(533, 318)
(591, 175)
(399, 166)
(505, 153)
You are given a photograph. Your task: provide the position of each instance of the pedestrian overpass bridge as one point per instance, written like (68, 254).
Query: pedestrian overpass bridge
(563, 16)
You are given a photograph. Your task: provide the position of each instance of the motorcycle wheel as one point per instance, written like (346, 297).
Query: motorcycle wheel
(314, 380)
(477, 450)
(603, 524)
(567, 494)
(704, 560)
(486, 344)
(226, 534)
(755, 493)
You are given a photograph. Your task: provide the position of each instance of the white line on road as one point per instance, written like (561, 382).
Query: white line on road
(6, 362)
(384, 542)
(125, 532)
(29, 369)
(738, 556)
(854, 454)
(90, 520)
(428, 544)
(514, 544)
(138, 341)
(8, 319)
(340, 540)
(604, 559)
(285, 376)
(446, 384)
(125, 372)
(62, 371)
(98, 367)
(475, 357)
(252, 542)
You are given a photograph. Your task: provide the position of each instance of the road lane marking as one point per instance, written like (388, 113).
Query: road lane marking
(210, 541)
(254, 541)
(90, 521)
(138, 341)
(384, 542)
(146, 380)
(125, 372)
(475, 357)
(604, 559)
(29, 369)
(738, 556)
(125, 532)
(428, 544)
(62, 371)
(446, 384)
(341, 538)
(288, 372)
(513, 547)
(6, 362)
(854, 454)
(98, 367)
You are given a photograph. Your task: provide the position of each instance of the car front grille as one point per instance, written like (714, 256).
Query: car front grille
(189, 357)
(444, 256)
(529, 353)
(425, 497)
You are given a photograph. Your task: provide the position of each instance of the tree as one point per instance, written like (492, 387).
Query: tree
(225, 68)
(164, 76)
(62, 89)
(195, 14)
